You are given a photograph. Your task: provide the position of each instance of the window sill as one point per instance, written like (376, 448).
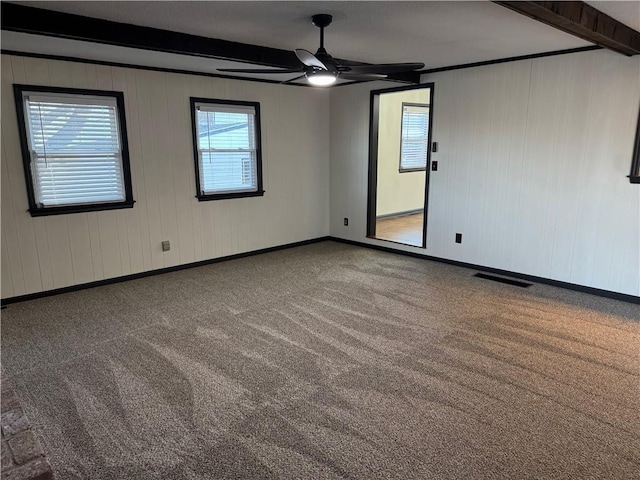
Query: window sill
(226, 196)
(409, 170)
(95, 207)
(634, 178)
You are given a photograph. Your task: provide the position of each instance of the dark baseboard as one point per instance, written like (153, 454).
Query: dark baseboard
(400, 214)
(133, 276)
(556, 283)
(531, 278)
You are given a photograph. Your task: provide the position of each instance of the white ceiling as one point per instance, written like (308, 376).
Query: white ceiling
(623, 11)
(436, 33)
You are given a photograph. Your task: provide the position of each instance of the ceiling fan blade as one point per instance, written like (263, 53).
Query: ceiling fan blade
(362, 76)
(257, 70)
(382, 68)
(293, 79)
(309, 59)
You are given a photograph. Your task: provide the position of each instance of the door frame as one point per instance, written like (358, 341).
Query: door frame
(374, 118)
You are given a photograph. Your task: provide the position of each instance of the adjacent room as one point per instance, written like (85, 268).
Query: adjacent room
(401, 153)
(320, 240)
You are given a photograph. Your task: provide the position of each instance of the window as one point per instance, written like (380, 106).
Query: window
(414, 138)
(226, 139)
(74, 147)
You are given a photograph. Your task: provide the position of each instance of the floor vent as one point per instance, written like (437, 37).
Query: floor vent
(508, 281)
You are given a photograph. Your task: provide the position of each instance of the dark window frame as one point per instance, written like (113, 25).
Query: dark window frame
(258, 141)
(39, 211)
(634, 176)
(415, 169)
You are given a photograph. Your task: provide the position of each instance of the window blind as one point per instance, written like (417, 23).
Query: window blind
(226, 148)
(75, 149)
(415, 136)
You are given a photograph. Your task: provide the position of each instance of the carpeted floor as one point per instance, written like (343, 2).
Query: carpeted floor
(329, 361)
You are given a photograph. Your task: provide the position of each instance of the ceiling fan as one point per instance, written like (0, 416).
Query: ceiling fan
(322, 69)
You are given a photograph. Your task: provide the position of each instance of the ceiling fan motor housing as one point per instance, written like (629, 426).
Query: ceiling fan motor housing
(322, 55)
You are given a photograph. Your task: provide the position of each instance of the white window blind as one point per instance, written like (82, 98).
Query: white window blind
(227, 152)
(415, 137)
(75, 149)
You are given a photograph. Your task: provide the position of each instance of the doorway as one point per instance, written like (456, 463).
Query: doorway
(399, 164)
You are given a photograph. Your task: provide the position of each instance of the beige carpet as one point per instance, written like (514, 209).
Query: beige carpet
(329, 361)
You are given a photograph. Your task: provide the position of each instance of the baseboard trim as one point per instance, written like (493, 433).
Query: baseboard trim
(148, 273)
(400, 214)
(531, 278)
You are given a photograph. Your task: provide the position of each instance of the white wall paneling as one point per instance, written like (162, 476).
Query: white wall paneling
(57, 251)
(533, 157)
(532, 164)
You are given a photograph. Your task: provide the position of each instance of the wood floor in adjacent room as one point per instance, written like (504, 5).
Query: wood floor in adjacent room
(328, 361)
(406, 229)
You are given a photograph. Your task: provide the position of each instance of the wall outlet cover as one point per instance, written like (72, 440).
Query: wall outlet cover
(166, 246)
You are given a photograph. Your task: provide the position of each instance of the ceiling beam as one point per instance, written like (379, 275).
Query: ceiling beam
(19, 18)
(581, 20)
(37, 21)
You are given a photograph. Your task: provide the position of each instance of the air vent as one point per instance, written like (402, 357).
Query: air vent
(508, 281)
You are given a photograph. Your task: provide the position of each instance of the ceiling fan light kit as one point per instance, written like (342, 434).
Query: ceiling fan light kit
(322, 69)
(321, 78)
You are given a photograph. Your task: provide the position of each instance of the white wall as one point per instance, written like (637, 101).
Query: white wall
(532, 172)
(397, 192)
(57, 251)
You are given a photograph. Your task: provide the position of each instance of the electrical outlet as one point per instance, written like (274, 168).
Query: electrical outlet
(434, 166)
(458, 238)
(166, 246)
(346, 222)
